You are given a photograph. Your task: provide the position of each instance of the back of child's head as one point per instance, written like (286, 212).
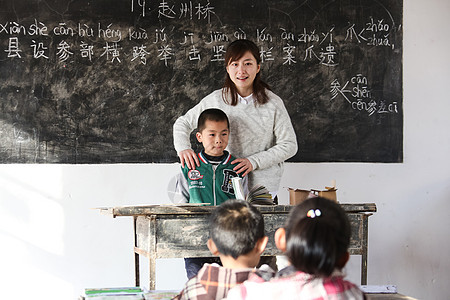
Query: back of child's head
(317, 236)
(235, 227)
(211, 114)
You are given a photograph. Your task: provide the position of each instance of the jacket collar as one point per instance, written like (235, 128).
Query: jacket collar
(225, 160)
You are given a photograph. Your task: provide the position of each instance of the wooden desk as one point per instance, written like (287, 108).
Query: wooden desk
(166, 231)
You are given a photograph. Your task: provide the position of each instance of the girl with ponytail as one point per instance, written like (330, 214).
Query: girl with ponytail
(315, 240)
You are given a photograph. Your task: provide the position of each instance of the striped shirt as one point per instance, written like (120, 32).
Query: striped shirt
(292, 284)
(214, 282)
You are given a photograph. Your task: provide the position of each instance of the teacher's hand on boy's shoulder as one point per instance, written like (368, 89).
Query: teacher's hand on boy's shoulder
(244, 166)
(189, 158)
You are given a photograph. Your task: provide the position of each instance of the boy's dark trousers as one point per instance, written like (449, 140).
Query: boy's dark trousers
(194, 264)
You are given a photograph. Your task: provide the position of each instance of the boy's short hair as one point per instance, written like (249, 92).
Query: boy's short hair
(235, 227)
(317, 236)
(211, 114)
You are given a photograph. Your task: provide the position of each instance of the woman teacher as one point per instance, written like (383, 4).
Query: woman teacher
(261, 132)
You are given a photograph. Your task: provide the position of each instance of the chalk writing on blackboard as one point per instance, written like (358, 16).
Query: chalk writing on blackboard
(356, 92)
(322, 50)
(168, 10)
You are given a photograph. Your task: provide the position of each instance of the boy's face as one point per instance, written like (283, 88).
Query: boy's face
(214, 137)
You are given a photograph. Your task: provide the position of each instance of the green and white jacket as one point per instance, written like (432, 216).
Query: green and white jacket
(208, 183)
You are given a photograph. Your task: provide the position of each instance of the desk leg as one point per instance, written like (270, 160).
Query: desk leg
(152, 256)
(152, 265)
(136, 256)
(365, 219)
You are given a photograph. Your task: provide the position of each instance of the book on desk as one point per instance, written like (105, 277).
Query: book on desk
(126, 293)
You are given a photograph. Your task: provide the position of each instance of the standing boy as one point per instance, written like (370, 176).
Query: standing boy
(211, 181)
(237, 237)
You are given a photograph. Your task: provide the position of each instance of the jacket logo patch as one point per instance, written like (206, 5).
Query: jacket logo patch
(227, 185)
(194, 175)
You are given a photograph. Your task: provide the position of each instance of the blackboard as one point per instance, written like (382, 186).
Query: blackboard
(103, 81)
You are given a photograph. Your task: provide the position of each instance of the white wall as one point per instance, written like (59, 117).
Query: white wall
(53, 243)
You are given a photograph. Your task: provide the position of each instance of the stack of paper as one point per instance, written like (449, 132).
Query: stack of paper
(127, 293)
(379, 289)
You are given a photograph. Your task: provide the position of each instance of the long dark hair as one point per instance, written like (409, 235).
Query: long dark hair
(317, 236)
(235, 51)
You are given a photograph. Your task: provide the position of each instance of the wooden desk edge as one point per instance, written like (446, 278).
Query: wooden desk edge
(173, 209)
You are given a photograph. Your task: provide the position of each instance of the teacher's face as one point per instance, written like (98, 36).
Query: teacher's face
(243, 72)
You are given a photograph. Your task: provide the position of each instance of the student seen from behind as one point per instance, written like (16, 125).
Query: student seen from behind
(237, 237)
(315, 240)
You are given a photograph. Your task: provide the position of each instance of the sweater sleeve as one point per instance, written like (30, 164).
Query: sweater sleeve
(285, 141)
(183, 127)
(185, 124)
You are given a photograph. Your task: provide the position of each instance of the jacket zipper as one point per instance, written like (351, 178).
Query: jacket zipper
(214, 184)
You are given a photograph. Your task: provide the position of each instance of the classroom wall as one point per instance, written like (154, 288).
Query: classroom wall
(54, 243)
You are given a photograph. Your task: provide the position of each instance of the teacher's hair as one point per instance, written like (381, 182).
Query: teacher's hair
(235, 51)
(317, 237)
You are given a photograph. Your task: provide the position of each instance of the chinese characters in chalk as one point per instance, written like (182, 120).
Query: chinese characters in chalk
(357, 93)
(166, 10)
(66, 42)
(307, 46)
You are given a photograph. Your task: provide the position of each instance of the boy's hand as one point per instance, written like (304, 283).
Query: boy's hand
(244, 165)
(189, 157)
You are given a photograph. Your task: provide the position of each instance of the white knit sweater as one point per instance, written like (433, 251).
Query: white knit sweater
(263, 134)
